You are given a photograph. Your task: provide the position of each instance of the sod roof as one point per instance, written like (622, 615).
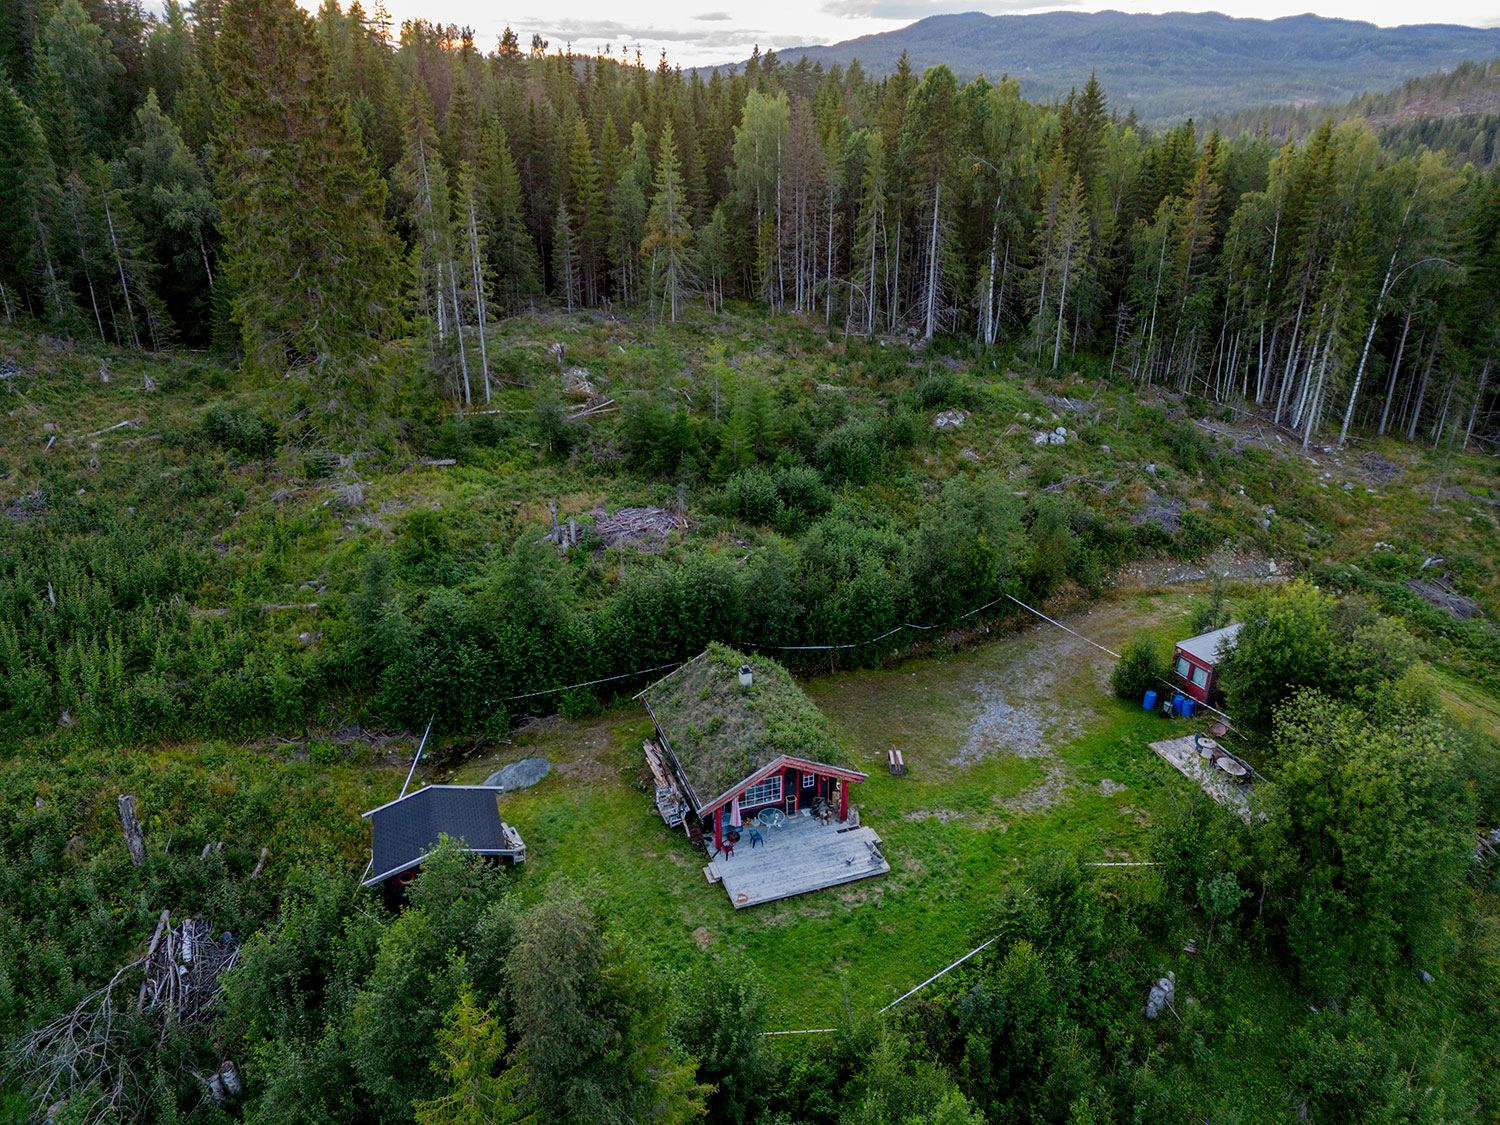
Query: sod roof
(720, 734)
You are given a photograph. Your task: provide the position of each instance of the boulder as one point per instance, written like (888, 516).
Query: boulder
(1162, 994)
(520, 775)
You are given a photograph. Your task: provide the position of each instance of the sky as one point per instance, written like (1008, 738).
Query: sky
(709, 32)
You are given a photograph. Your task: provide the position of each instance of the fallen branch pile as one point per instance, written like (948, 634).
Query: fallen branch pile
(89, 1058)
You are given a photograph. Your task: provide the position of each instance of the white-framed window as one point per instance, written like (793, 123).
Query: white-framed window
(1200, 676)
(768, 792)
(809, 780)
(1184, 666)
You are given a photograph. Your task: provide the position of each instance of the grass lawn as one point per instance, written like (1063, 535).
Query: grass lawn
(1467, 703)
(1013, 748)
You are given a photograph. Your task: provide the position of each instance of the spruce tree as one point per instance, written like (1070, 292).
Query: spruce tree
(312, 261)
(586, 205)
(28, 202)
(929, 150)
(668, 231)
(512, 253)
(627, 213)
(713, 252)
(565, 282)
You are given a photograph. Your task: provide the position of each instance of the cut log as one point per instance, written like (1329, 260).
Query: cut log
(130, 422)
(130, 825)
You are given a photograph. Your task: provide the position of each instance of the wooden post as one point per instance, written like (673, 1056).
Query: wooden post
(843, 801)
(130, 825)
(719, 828)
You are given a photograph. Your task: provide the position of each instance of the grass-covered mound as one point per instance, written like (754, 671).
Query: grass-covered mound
(721, 733)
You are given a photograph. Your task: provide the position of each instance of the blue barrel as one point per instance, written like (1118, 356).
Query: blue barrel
(1149, 703)
(1177, 704)
(1189, 704)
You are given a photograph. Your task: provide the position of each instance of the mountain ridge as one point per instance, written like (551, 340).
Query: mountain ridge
(1172, 65)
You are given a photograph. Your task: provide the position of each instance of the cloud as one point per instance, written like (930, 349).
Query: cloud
(584, 34)
(921, 9)
(713, 17)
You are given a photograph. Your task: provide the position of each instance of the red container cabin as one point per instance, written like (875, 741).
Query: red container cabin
(1195, 662)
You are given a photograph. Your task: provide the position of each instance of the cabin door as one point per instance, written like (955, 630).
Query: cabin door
(825, 788)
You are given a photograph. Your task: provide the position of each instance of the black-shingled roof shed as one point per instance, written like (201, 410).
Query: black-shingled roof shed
(405, 832)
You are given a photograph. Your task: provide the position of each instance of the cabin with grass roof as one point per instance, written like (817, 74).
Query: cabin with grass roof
(744, 760)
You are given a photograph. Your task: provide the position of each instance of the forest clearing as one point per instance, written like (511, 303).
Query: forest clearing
(978, 800)
(1016, 750)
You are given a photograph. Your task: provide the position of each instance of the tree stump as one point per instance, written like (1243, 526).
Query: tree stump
(130, 825)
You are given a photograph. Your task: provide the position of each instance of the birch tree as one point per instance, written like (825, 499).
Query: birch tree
(929, 132)
(435, 264)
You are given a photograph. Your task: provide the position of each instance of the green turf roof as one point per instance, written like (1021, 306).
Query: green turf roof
(721, 735)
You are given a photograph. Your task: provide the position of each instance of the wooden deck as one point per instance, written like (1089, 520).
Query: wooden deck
(1182, 755)
(802, 855)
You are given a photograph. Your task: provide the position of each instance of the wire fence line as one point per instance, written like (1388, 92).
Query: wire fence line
(587, 683)
(833, 648)
(880, 637)
(753, 644)
(1196, 702)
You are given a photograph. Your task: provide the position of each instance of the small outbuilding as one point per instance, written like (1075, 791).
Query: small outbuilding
(1196, 661)
(406, 831)
(741, 753)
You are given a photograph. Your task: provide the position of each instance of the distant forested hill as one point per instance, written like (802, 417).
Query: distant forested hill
(1456, 111)
(1171, 66)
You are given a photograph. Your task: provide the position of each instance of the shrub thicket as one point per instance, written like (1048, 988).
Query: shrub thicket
(1301, 637)
(237, 428)
(1141, 668)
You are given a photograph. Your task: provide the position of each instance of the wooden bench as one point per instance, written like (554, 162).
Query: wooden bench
(898, 764)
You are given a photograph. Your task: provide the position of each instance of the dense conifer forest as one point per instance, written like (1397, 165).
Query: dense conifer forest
(358, 379)
(146, 204)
